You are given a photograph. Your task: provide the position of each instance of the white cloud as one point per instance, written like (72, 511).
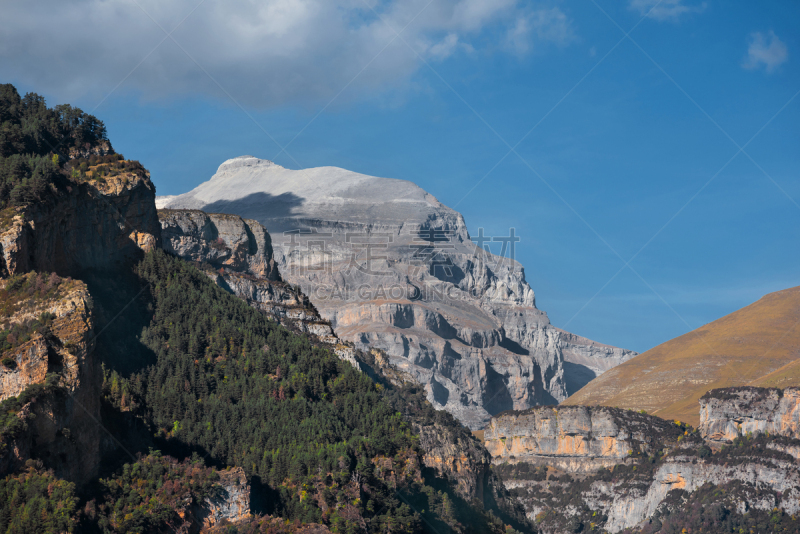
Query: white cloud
(445, 47)
(540, 26)
(264, 53)
(665, 9)
(765, 50)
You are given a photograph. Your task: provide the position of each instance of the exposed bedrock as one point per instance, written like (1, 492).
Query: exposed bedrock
(219, 240)
(96, 226)
(622, 465)
(391, 267)
(89, 226)
(61, 424)
(237, 255)
(577, 439)
(628, 507)
(726, 414)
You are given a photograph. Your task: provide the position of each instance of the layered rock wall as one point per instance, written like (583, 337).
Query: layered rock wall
(97, 225)
(62, 424)
(91, 225)
(726, 414)
(391, 267)
(577, 439)
(622, 467)
(628, 507)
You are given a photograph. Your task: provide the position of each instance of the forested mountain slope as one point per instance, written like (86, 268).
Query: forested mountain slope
(207, 413)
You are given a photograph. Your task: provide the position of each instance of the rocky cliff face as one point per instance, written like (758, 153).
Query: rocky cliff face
(97, 225)
(231, 504)
(627, 505)
(574, 439)
(391, 267)
(237, 255)
(726, 414)
(61, 422)
(93, 225)
(455, 457)
(607, 469)
(219, 240)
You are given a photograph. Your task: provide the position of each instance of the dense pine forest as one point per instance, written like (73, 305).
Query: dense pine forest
(233, 385)
(320, 441)
(319, 436)
(35, 143)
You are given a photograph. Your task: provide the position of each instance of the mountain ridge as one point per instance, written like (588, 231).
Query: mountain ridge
(460, 319)
(744, 347)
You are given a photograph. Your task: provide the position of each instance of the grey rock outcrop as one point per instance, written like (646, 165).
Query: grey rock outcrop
(574, 439)
(230, 504)
(237, 255)
(457, 458)
(391, 267)
(618, 469)
(626, 507)
(726, 414)
(219, 240)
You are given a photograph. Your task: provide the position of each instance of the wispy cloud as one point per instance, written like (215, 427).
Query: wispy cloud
(265, 53)
(765, 50)
(540, 26)
(665, 9)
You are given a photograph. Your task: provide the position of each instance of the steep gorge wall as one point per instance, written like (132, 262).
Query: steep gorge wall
(576, 439)
(61, 423)
(726, 414)
(95, 226)
(575, 465)
(92, 226)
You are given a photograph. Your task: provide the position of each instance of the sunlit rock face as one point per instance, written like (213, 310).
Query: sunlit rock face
(618, 468)
(220, 240)
(578, 439)
(391, 267)
(726, 414)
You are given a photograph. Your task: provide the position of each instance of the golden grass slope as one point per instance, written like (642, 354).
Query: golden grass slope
(757, 345)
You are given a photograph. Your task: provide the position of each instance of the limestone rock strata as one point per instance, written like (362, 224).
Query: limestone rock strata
(726, 414)
(576, 439)
(62, 423)
(97, 225)
(627, 507)
(391, 267)
(220, 240)
(615, 469)
(65, 353)
(237, 255)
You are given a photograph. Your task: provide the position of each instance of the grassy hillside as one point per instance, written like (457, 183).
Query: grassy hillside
(758, 345)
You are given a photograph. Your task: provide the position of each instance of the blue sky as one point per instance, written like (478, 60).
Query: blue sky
(631, 144)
